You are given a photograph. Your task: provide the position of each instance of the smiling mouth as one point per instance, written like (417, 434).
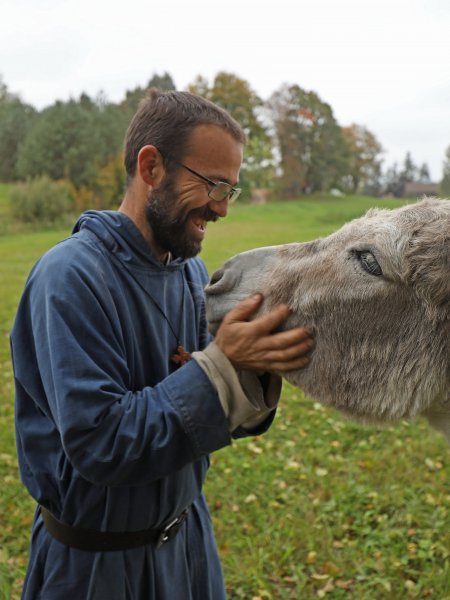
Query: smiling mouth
(200, 224)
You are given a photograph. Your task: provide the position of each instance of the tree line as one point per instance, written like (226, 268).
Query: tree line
(295, 144)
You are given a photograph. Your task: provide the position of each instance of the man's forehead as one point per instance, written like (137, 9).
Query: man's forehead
(212, 144)
(209, 134)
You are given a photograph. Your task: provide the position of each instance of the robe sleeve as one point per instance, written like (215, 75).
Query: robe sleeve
(70, 363)
(247, 399)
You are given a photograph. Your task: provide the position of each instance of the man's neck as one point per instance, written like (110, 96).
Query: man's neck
(133, 206)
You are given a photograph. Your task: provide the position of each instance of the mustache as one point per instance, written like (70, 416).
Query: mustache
(204, 213)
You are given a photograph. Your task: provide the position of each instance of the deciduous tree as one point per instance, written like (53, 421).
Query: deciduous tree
(236, 96)
(314, 155)
(365, 160)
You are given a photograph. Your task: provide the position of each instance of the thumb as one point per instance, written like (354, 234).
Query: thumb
(245, 309)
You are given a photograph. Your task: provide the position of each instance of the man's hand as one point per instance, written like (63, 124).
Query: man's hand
(252, 345)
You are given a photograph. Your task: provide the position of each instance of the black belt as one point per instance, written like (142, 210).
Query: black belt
(109, 541)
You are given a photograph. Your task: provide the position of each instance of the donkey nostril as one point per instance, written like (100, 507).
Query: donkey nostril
(222, 282)
(216, 277)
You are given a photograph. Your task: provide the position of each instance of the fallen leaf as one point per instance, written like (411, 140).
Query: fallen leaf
(342, 584)
(321, 472)
(329, 587)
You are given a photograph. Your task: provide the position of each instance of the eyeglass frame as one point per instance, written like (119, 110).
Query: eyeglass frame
(232, 195)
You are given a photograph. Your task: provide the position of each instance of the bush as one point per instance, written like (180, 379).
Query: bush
(41, 200)
(105, 190)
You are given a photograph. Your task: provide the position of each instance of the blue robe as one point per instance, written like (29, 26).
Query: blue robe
(110, 435)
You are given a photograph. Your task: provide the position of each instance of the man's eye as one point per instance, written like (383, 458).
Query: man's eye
(369, 263)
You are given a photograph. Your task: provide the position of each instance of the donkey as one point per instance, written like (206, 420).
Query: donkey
(377, 294)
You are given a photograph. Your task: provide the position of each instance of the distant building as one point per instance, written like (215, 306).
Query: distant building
(259, 196)
(417, 190)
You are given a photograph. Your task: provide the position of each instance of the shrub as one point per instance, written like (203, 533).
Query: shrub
(105, 190)
(41, 200)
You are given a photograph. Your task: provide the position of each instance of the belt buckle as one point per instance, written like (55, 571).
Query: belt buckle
(171, 529)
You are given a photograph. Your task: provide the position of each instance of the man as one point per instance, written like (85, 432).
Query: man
(114, 423)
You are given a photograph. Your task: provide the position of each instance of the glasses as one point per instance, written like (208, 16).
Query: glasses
(220, 190)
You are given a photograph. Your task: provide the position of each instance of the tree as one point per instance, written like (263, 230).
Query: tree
(105, 190)
(16, 119)
(445, 183)
(133, 97)
(365, 162)
(62, 143)
(396, 180)
(393, 184)
(162, 82)
(73, 140)
(314, 154)
(236, 96)
(424, 173)
(200, 86)
(410, 171)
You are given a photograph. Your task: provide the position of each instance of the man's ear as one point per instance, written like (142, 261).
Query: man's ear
(150, 165)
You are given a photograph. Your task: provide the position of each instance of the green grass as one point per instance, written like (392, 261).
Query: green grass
(318, 507)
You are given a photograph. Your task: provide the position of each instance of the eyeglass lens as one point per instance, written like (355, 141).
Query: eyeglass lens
(223, 190)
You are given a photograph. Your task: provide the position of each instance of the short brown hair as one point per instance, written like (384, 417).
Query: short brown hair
(166, 120)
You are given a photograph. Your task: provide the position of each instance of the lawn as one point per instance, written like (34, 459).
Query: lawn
(318, 507)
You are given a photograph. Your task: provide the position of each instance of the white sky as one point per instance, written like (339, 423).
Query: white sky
(384, 64)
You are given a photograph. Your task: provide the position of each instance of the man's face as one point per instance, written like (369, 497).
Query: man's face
(179, 209)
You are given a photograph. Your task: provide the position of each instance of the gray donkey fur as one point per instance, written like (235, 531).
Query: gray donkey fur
(377, 293)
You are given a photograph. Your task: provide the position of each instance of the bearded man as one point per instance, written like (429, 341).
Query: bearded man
(114, 422)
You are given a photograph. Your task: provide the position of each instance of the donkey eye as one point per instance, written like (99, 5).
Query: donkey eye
(369, 263)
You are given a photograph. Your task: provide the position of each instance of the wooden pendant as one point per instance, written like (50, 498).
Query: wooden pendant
(180, 356)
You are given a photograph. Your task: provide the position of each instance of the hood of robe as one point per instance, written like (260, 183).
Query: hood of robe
(121, 237)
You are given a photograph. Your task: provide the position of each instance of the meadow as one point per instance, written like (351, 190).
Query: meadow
(318, 507)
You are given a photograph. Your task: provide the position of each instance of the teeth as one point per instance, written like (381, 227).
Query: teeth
(200, 224)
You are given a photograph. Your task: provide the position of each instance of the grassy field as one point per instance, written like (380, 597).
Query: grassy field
(318, 507)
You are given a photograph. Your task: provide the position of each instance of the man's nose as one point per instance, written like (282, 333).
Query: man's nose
(220, 208)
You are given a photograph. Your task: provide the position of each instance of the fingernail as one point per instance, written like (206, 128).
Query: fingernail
(256, 297)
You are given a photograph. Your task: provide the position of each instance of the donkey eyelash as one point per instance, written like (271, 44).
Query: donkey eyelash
(368, 262)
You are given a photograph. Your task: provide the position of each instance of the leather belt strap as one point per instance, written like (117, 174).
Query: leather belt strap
(92, 540)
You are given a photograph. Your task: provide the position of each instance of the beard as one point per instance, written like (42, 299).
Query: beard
(169, 224)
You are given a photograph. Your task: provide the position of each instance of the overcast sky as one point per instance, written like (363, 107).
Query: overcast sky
(384, 64)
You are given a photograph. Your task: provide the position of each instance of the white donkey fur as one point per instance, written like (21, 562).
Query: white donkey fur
(377, 294)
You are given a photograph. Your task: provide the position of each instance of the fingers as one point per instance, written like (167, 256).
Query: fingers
(265, 324)
(290, 352)
(280, 366)
(288, 338)
(292, 365)
(272, 320)
(244, 310)
(289, 358)
(251, 344)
